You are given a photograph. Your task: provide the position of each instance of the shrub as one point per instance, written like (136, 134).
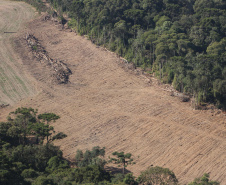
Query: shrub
(157, 175)
(204, 180)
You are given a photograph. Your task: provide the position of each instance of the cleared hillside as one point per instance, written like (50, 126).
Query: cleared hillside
(107, 105)
(14, 84)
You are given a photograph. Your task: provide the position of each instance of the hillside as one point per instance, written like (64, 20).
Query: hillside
(14, 83)
(108, 105)
(181, 41)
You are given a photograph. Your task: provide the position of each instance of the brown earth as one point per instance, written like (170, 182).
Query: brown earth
(107, 105)
(14, 84)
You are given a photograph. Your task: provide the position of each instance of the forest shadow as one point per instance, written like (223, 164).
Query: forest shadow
(114, 170)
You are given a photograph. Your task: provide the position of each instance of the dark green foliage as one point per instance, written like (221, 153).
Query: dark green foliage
(89, 174)
(42, 130)
(157, 175)
(35, 157)
(129, 179)
(21, 158)
(60, 135)
(23, 161)
(117, 178)
(10, 171)
(48, 117)
(29, 173)
(21, 122)
(43, 180)
(56, 163)
(24, 125)
(93, 157)
(204, 180)
(152, 33)
(122, 159)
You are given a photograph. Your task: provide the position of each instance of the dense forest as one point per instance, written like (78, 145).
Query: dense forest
(182, 42)
(28, 156)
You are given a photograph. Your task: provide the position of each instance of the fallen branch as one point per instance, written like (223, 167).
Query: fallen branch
(62, 72)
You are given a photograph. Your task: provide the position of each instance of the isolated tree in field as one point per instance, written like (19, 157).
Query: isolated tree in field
(122, 159)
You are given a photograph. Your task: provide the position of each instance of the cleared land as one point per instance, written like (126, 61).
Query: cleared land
(104, 104)
(13, 82)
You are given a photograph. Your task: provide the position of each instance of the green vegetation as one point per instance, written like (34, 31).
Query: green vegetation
(123, 159)
(93, 157)
(25, 149)
(34, 48)
(157, 175)
(204, 180)
(28, 157)
(181, 41)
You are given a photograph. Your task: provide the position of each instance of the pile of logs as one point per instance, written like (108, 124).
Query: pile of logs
(62, 72)
(3, 105)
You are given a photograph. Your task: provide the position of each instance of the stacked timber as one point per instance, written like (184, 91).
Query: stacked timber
(62, 72)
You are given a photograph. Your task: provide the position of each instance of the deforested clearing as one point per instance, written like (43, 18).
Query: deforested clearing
(14, 84)
(106, 104)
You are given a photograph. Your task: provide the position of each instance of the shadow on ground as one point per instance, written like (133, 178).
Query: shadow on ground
(114, 170)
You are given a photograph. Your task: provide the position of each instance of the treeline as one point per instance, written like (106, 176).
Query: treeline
(181, 41)
(28, 157)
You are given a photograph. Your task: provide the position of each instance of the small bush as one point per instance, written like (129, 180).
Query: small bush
(34, 48)
(60, 135)
(204, 180)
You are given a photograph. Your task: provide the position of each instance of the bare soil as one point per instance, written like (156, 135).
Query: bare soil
(14, 84)
(105, 104)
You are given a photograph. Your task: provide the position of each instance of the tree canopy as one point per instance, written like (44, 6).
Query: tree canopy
(171, 38)
(24, 162)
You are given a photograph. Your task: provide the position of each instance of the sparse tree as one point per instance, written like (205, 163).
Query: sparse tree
(122, 159)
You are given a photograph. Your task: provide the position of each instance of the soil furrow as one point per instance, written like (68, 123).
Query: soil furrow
(108, 105)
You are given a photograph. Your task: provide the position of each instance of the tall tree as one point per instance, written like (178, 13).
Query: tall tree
(123, 159)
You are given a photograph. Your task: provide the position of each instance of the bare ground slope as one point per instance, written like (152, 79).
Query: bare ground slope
(106, 105)
(14, 84)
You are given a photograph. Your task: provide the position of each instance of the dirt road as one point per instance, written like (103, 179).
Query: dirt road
(106, 105)
(14, 85)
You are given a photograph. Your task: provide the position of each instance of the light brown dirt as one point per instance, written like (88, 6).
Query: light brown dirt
(14, 85)
(109, 106)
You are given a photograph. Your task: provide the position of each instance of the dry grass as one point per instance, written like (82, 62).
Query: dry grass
(14, 85)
